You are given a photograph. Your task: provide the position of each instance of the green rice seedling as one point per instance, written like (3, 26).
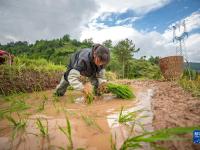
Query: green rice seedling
(45, 98)
(128, 117)
(55, 98)
(70, 98)
(41, 106)
(18, 95)
(89, 98)
(121, 91)
(155, 136)
(192, 86)
(70, 88)
(68, 133)
(113, 142)
(15, 106)
(70, 112)
(17, 125)
(43, 129)
(91, 122)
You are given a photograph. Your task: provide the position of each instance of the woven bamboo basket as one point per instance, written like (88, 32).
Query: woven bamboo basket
(172, 67)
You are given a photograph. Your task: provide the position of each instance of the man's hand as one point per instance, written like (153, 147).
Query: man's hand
(102, 88)
(87, 88)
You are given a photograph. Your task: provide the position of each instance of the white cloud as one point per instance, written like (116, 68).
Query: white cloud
(129, 19)
(32, 20)
(151, 43)
(193, 47)
(115, 33)
(140, 7)
(192, 22)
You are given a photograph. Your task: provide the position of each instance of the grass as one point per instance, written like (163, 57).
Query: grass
(41, 106)
(18, 125)
(44, 130)
(91, 122)
(155, 136)
(124, 118)
(89, 98)
(192, 86)
(68, 133)
(37, 64)
(121, 91)
(19, 76)
(15, 106)
(55, 98)
(113, 142)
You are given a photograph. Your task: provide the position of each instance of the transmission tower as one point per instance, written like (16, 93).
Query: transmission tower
(179, 35)
(180, 43)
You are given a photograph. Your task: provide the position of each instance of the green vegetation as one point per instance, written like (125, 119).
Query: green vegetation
(56, 50)
(89, 98)
(122, 91)
(192, 86)
(59, 51)
(68, 133)
(155, 136)
(14, 106)
(125, 66)
(17, 125)
(91, 122)
(190, 81)
(27, 75)
(125, 118)
(113, 143)
(42, 104)
(41, 64)
(42, 128)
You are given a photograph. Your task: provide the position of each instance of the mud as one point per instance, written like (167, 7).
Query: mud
(173, 107)
(164, 103)
(55, 109)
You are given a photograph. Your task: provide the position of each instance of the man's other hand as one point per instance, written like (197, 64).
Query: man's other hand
(87, 88)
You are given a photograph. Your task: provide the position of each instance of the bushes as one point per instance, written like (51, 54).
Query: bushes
(190, 81)
(110, 76)
(135, 68)
(27, 75)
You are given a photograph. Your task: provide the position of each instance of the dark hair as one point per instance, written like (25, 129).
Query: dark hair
(101, 52)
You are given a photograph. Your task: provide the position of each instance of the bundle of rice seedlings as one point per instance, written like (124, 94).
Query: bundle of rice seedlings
(102, 89)
(89, 98)
(121, 91)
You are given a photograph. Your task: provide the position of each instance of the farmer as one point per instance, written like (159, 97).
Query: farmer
(89, 62)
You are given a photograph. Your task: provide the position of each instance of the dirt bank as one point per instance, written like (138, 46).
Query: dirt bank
(173, 107)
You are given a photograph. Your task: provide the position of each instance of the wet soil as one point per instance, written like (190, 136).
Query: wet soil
(88, 136)
(173, 107)
(166, 105)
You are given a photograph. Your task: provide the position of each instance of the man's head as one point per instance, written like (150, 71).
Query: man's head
(101, 55)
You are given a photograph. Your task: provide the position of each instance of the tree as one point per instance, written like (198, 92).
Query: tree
(107, 43)
(154, 60)
(88, 42)
(124, 51)
(66, 38)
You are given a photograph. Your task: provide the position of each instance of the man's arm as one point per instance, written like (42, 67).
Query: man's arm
(73, 78)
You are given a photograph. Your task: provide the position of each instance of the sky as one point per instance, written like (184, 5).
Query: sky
(147, 23)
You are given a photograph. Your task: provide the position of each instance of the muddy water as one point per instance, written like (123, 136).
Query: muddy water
(104, 111)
